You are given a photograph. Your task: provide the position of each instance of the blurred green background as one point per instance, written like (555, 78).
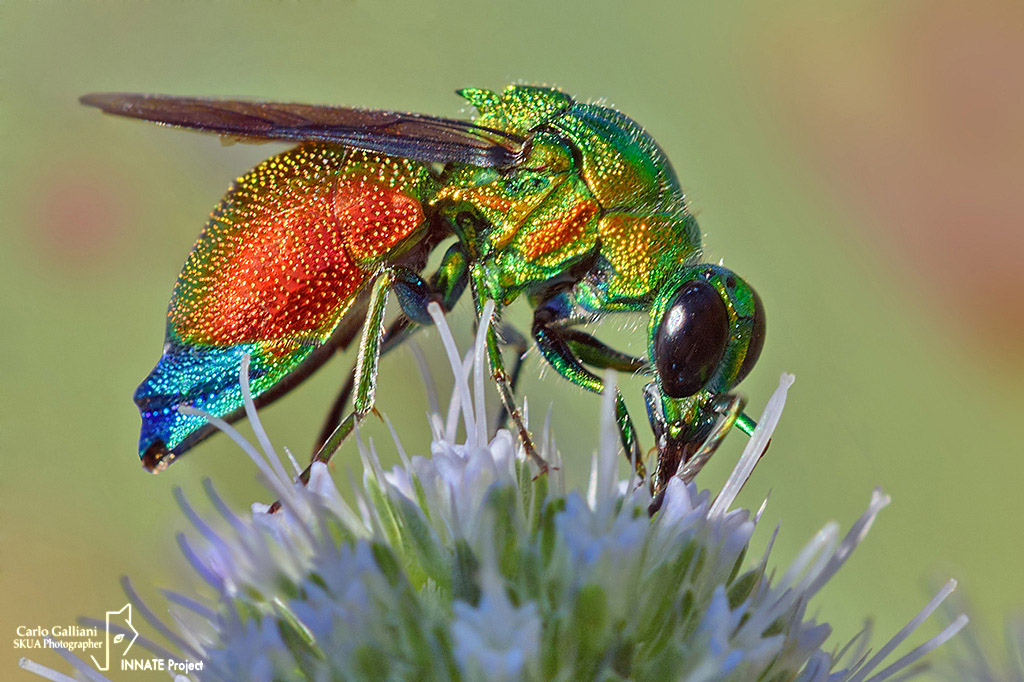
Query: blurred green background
(852, 162)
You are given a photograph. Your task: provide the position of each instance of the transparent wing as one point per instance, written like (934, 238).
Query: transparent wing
(413, 136)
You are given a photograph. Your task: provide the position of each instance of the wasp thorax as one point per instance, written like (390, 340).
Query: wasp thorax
(691, 339)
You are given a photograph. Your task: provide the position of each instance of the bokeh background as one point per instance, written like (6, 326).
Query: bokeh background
(860, 164)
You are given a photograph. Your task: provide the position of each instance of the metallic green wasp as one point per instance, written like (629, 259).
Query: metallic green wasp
(572, 206)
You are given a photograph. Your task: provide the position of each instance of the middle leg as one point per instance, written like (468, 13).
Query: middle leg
(509, 336)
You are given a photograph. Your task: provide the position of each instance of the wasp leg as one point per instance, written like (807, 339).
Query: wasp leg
(414, 295)
(450, 279)
(499, 375)
(400, 329)
(365, 369)
(509, 336)
(503, 381)
(593, 352)
(557, 348)
(587, 349)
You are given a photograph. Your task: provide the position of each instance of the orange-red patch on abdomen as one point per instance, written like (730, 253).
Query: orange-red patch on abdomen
(285, 280)
(373, 218)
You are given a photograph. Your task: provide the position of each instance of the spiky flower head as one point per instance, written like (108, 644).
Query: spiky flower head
(464, 565)
(978, 656)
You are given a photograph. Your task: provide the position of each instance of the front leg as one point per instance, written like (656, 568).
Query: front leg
(557, 345)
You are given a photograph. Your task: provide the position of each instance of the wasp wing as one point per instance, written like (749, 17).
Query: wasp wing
(414, 136)
(279, 270)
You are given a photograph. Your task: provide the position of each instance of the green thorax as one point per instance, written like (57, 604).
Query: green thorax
(591, 176)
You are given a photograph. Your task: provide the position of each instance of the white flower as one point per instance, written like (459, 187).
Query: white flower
(463, 566)
(495, 640)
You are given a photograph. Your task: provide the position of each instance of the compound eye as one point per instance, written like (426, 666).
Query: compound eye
(756, 342)
(691, 339)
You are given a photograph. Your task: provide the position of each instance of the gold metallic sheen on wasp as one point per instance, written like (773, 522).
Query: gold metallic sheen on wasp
(570, 205)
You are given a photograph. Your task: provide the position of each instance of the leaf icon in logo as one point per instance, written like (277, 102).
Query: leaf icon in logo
(125, 614)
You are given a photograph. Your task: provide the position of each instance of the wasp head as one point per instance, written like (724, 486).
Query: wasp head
(706, 332)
